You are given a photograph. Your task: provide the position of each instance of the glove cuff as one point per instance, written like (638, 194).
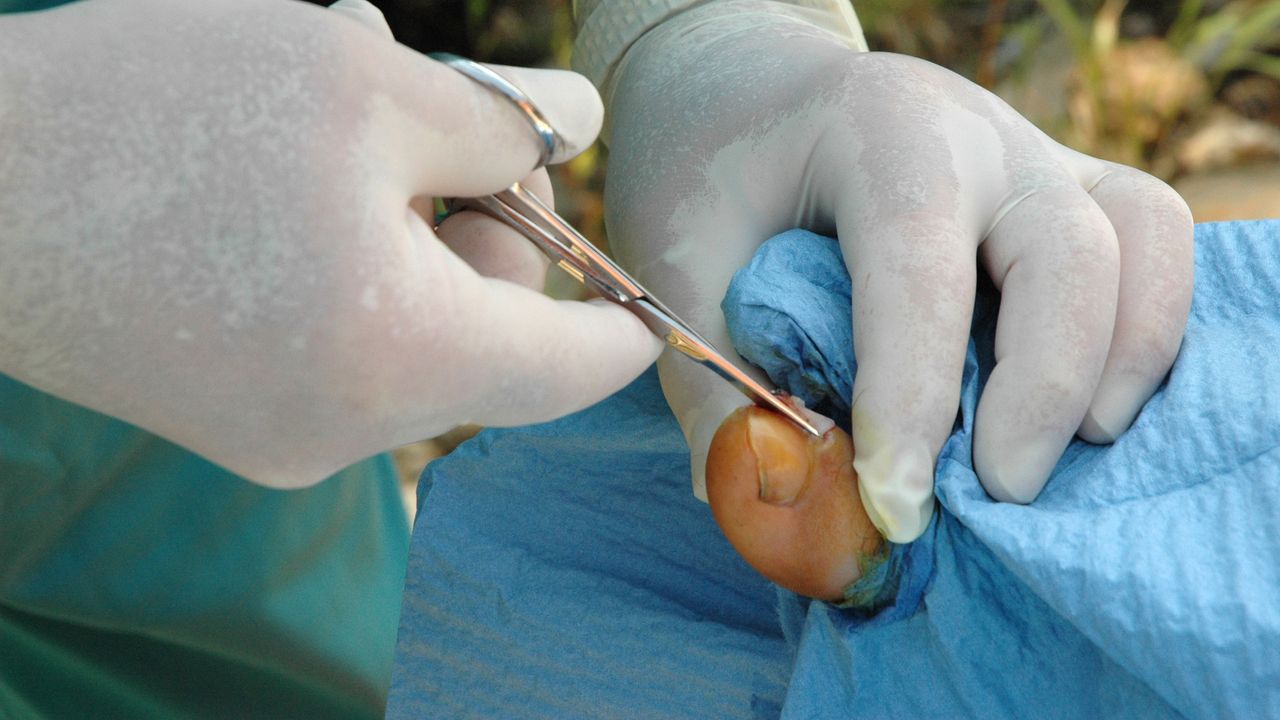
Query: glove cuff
(608, 28)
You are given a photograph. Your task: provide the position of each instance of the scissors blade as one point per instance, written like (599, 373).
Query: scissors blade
(680, 336)
(523, 211)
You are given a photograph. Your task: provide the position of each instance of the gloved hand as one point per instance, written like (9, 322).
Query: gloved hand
(207, 233)
(738, 119)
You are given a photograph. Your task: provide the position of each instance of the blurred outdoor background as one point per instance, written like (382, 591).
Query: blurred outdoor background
(1187, 90)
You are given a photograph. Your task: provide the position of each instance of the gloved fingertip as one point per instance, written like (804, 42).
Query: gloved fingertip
(568, 101)
(1018, 475)
(899, 520)
(1099, 430)
(896, 487)
(1114, 408)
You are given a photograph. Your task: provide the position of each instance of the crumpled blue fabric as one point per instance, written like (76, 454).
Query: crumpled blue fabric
(550, 563)
(566, 571)
(1142, 583)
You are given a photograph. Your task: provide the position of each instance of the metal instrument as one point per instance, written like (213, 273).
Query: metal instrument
(524, 212)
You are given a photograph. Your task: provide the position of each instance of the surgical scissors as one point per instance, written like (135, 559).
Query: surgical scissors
(566, 247)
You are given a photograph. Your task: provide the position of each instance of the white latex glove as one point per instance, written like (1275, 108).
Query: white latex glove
(205, 231)
(734, 121)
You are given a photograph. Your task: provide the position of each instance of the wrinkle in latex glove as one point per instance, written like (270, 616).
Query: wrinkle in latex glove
(738, 122)
(208, 234)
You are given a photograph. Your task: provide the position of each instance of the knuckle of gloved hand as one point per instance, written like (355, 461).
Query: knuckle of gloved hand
(840, 78)
(1150, 195)
(887, 81)
(301, 90)
(345, 76)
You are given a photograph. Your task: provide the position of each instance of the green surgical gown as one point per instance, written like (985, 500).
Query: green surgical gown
(138, 580)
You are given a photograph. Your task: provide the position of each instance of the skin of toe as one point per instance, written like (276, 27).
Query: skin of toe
(804, 528)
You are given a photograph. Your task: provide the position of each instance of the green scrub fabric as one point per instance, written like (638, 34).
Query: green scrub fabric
(10, 6)
(139, 580)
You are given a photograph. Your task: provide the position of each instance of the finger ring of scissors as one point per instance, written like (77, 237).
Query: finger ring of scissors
(552, 145)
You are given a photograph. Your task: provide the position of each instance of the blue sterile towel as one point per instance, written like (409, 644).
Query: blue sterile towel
(564, 570)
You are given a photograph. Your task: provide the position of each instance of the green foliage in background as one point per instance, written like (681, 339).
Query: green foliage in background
(1239, 36)
(1122, 79)
(1131, 95)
